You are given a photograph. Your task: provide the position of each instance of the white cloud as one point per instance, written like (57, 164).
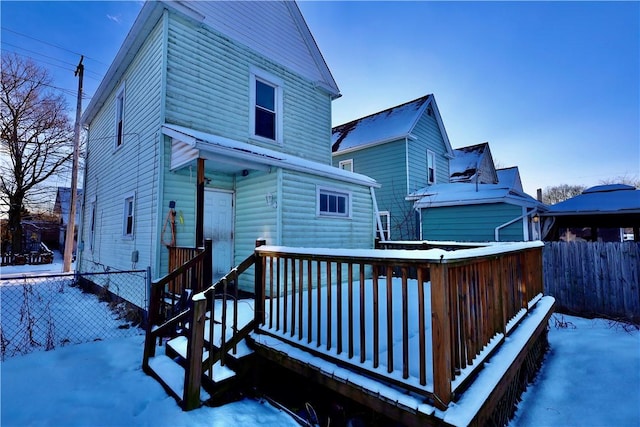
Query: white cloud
(117, 19)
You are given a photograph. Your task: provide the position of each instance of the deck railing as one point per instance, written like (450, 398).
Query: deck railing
(361, 308)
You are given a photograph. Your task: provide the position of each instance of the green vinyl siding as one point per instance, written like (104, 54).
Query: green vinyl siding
(302, 227)
(386, 163)
(208, 89)
(131, 169)
(472, 223)
(427, 137)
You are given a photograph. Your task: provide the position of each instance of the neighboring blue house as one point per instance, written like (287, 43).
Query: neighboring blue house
(404, 148)
(483, 212)
(219, 112)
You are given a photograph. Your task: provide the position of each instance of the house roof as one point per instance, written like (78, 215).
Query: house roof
(466, 161)
(386, 126)
(510, 177)
(285, 39)
(62, 204)
(191, 144)
(601, 199)
(464, 193)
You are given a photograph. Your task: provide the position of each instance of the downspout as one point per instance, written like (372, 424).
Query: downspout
(377, 215)
(508, 223)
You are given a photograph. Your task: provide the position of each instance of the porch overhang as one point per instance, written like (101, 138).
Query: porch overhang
(233, 156)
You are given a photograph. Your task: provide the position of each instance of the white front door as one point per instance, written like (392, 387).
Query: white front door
(218, 226)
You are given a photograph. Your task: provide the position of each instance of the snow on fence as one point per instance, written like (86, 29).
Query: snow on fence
(594, 278)
(45, 312)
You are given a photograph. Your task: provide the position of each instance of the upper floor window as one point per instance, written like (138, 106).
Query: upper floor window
(346, 165)
(128, 218)
(431, 167)
(266, 106)
(333, 203)
(120, 116)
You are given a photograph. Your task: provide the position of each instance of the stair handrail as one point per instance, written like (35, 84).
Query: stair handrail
(196, 367)
(157, 288)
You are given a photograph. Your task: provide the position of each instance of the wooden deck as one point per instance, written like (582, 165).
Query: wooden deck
(404, 332)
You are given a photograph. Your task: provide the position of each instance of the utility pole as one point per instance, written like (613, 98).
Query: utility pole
(71, 223)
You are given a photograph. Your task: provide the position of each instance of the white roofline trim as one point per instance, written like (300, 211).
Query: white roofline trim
(330, 84)
(435, 204)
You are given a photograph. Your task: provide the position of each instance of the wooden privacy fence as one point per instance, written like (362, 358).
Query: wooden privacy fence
(360, 309)
(594, 278)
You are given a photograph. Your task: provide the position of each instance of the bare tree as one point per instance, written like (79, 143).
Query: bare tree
(560, 193)
(36, 137)
(633, 181)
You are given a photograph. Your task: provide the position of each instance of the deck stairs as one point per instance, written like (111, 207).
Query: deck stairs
(224, 361)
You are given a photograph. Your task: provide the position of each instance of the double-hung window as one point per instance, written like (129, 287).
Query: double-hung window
(128, 216)
(120, 117)
(266, 106)
(431, 167)
(333, 203)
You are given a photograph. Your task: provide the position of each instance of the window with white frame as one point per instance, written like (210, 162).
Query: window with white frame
(129, 216)
(120, 117)
(266, 106)
(346, 165)
(431, 167)
(333, 203)
(385, 222)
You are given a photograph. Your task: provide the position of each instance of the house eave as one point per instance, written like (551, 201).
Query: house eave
(374, 144)
(149, 15)
(254, 157)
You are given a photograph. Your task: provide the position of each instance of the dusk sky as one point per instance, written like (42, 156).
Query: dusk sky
(552, 86)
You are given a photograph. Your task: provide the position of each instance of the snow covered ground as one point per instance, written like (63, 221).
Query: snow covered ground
(590, 377)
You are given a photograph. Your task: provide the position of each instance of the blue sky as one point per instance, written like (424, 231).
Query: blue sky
(552, 86)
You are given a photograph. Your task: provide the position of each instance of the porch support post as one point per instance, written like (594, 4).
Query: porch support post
(441, 333)
(200, 205)
(259, 289)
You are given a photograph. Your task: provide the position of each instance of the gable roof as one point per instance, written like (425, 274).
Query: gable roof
(468, 160)
(275, 29)
(601, 199)
(385, 126)
(510, 177)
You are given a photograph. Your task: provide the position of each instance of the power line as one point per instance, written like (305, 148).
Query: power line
(46, 56)
(53, 45)
(41, 61)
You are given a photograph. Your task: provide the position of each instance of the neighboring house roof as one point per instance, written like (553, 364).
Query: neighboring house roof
(510, 177)
(601, 199)
(459, 193)
(468, 161)
(190, 144)
(286, 40)
(386, 126)
(62, 204)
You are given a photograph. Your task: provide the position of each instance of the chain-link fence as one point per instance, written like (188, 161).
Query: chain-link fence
(46, 312)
